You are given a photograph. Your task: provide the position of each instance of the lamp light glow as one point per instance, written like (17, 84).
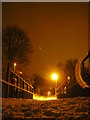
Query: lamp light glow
(54, 76)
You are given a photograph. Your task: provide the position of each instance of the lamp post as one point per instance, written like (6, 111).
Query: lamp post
(55, 77)
(14, 66)
(67, 81)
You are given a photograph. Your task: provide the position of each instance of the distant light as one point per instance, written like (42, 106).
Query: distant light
(68, 78)
(20, 72)
(54, 76)
(49, 93)
(65, 88)
(15, 64)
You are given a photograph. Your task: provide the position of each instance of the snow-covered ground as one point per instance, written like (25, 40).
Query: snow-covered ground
(77, 108)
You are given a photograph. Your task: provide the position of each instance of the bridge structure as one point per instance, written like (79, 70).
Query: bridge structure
(16, 87)
(81, 83)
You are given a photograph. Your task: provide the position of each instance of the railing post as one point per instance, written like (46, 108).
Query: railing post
(8, 79)
(66, 88)
(23, 90)
(12, 90)
(20, 91)
(30, 91)
(17, 88)
(89, 60)
(27, 90)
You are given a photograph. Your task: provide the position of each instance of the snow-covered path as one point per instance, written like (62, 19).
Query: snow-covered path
(77, 108)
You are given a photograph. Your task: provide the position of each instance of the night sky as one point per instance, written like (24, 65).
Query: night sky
(58, 31)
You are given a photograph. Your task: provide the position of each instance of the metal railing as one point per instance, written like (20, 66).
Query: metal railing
(15, 86)
(72, 88)
(67, 87)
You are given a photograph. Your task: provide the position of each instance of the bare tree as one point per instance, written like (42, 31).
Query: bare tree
(67, 69)
(16, 46)
(37, 82)
(70, 66)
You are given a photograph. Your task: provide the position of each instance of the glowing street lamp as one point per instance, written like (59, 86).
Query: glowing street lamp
(55, 77)
(14, 66)
(68, 78)
(67, 82)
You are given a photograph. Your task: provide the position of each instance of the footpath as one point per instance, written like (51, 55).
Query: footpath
(77, 108)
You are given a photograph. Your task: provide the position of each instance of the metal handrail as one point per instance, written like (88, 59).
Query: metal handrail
(3, 81)
(80, 81)
(79, 78)
(65, 81)
(72, 85)
(68, 88)
(21, 88)
(60, 85)
(21, 78)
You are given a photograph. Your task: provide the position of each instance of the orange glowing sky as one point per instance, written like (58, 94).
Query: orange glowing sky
(59, 31)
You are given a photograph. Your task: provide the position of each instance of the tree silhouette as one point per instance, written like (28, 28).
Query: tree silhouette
(37, 82)
(68, 70)
(16, 46)
(61, 69)
(70, 66)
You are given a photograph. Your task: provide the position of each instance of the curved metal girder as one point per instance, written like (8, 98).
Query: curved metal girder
(78, 76)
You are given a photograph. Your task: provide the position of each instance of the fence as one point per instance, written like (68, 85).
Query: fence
(68, 88)
(15, 86)
(71, 87)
